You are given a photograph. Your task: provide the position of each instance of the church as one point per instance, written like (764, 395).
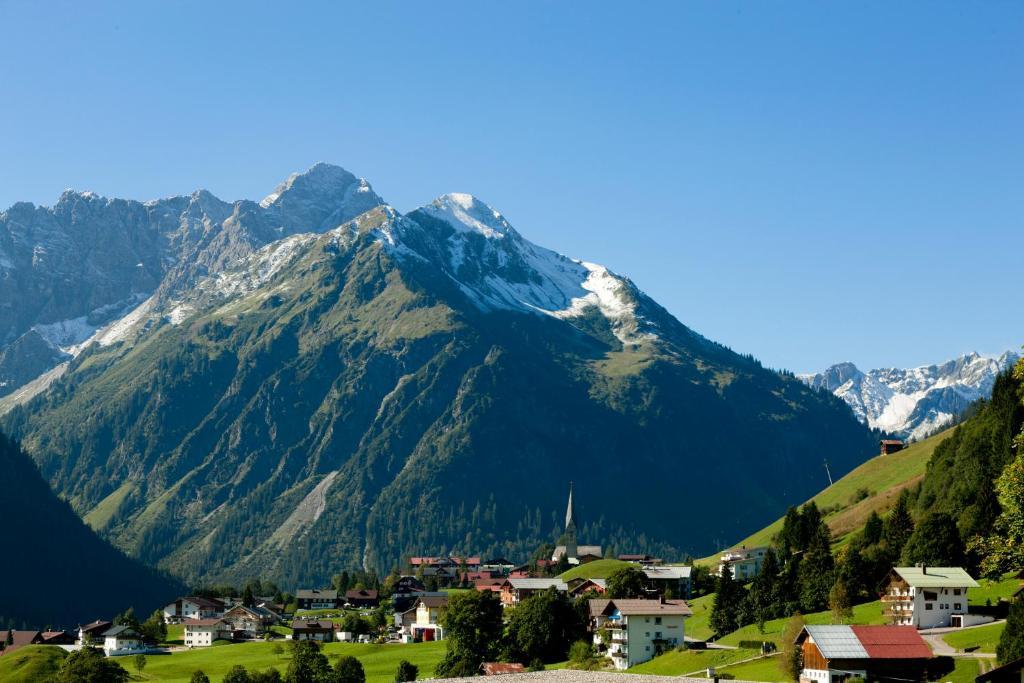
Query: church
(576, 554)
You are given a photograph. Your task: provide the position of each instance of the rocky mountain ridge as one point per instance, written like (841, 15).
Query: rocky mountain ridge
(913, 403)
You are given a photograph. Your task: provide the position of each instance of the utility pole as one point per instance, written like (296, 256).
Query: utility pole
(828, 473)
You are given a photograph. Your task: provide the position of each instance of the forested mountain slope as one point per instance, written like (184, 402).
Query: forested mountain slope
(409, 384)
(56, 570)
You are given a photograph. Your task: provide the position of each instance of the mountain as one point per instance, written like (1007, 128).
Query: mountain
(57, 571)
(367, 387)
(916, 402)
(73, 268)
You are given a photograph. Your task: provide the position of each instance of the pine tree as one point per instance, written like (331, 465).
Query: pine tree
(725, 612)
(1011, 642)
(899, 525)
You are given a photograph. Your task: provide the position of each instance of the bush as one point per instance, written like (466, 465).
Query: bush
(751, 644)
(238, 674)
(536, 665)
(581, 656)
(406, 672)
(348, 669)
(199, 677)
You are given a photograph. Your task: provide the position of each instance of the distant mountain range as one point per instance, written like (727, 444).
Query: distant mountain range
(915, 402)
(315, 381)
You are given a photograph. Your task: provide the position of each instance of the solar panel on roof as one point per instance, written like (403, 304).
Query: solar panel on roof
(837, 642)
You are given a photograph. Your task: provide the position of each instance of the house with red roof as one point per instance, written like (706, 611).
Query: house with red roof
(835, 653)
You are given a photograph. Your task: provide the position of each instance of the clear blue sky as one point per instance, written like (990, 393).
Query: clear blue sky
(808, 182)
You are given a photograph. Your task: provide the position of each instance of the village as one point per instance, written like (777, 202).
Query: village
(627, 618)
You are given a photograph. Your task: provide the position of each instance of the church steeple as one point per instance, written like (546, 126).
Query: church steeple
(570, 514)
(571, 550)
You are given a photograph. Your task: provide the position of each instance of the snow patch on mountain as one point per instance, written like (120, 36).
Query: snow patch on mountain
(913, 402)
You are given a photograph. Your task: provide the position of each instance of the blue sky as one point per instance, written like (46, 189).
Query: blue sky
(807, 182)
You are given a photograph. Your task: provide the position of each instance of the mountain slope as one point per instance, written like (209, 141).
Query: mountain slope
(413, 384)
(873, 486)
(58, 571)
(913, 403)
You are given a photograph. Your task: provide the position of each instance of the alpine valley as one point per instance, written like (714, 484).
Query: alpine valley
(316, 381)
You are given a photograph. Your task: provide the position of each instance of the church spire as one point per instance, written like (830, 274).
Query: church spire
(570, 514)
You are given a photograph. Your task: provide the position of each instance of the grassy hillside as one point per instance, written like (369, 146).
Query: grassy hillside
(679, 662)
(697, 626)
(30, 663)
(598, 569)
(981, 639)
(881, 478)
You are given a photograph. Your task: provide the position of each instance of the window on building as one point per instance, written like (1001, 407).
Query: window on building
(657, 620)
(956, 591)
(957, 605)
(928, 606)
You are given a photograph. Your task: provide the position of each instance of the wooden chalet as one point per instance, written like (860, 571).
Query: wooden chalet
(835, 653)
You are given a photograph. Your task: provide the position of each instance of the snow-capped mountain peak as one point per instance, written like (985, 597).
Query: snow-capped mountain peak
(913, 402)
(465, 212)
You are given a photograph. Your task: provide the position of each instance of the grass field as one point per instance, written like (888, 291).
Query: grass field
(678, 662)
(36, 663)
(965, 670)
(697, 626)
(991, 592)
(883, 477)
(30, 663)
(598, 569)
(175, 635)
(379, 661)
(765, 669)
(980, 639)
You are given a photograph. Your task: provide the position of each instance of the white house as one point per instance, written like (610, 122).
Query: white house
(928, 597)
(122, 640)
(193, 607)
(423, 620)
(202, 632)
(744, 563)
(634, 631)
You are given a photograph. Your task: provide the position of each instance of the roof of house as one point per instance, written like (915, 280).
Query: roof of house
(319, 625)
(891, 442)
(366, 593)
(22, 638)
(581, 550)
(500, 668)
(597, 606)
(48, 636)
(213, 603)
(316, 594)
(538, 584)
(98, 625)
(936, 577)
(668, 572)
(433, 600)
(631, 607)
(122, 630)
(203, 622)
(867, 642)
